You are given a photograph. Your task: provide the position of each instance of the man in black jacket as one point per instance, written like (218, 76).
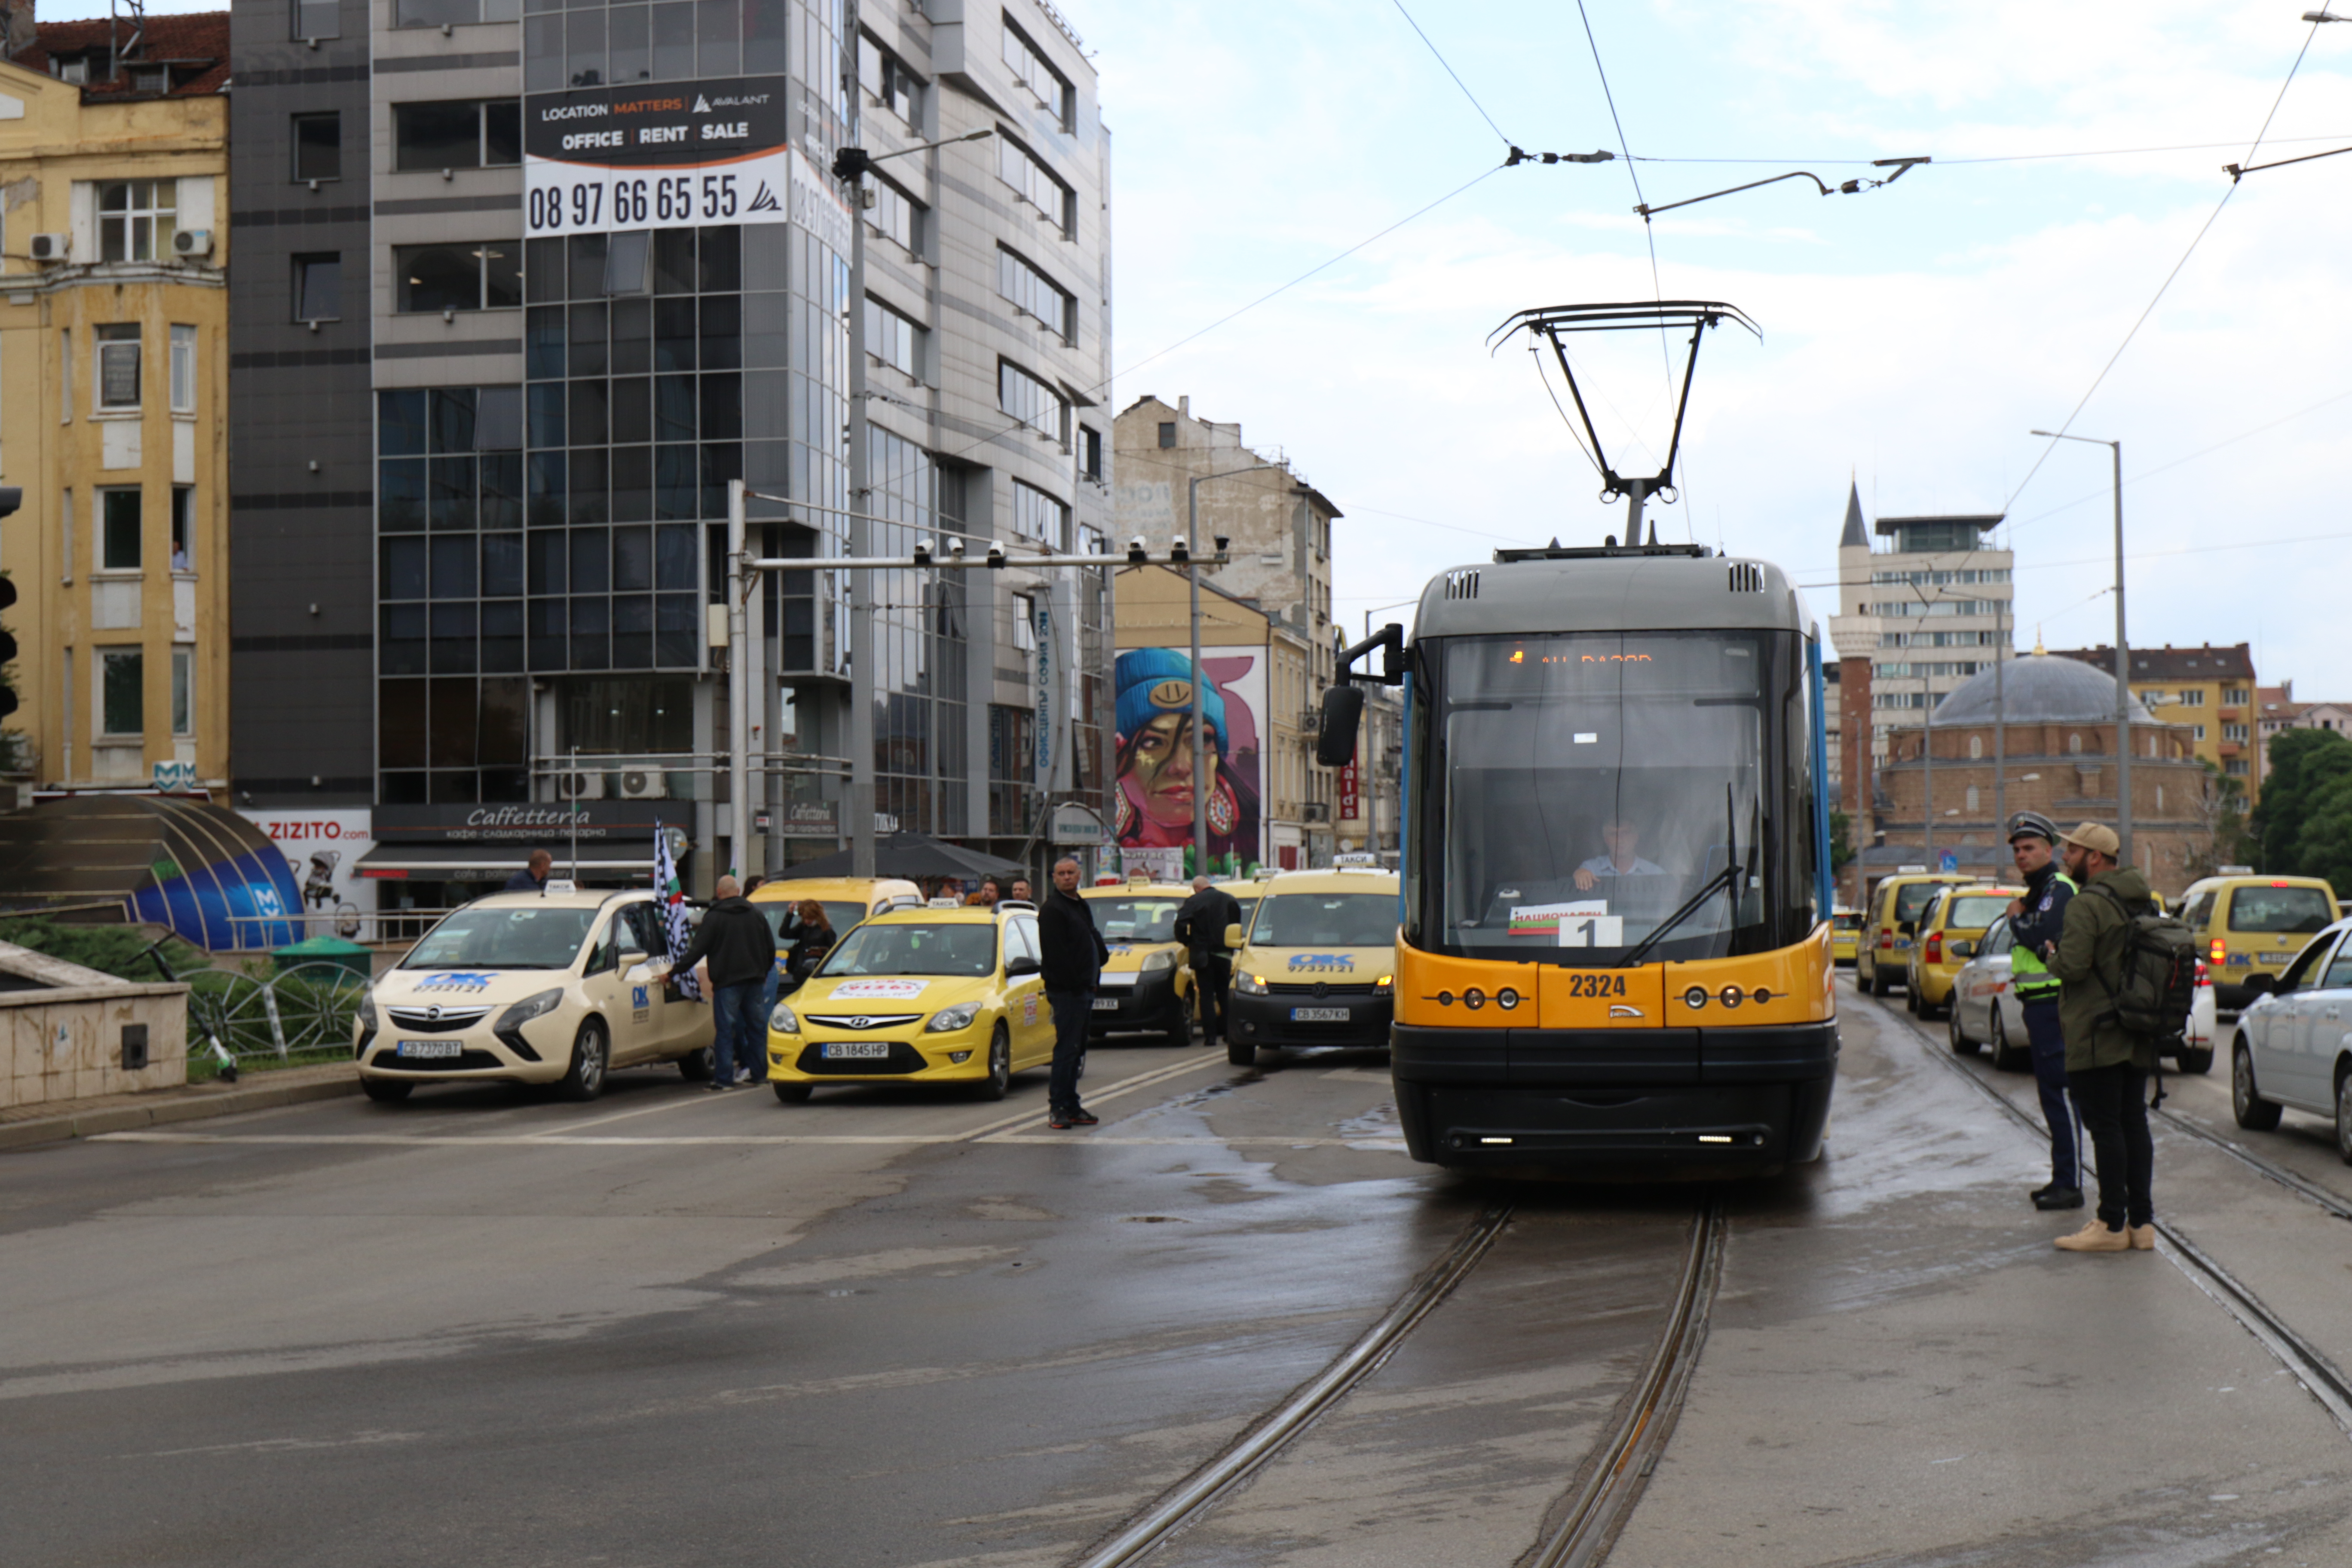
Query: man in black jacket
(1071, 960)
(735, 940)
(1200, 927)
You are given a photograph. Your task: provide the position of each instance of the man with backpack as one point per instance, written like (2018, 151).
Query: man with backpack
(2035, 920)
(2121, 967)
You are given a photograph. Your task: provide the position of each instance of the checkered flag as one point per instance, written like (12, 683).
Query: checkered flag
(673, 912)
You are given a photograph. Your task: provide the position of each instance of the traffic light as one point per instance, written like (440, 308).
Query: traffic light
(11, 497)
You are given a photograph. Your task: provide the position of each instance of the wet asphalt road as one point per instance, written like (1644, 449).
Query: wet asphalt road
(883, 1328)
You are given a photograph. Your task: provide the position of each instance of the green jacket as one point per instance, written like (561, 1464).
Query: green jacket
(2091, 949)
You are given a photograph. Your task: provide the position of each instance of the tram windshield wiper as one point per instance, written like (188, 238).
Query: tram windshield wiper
(1731, 879)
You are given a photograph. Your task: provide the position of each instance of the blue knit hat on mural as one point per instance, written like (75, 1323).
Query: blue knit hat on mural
(1156, 680)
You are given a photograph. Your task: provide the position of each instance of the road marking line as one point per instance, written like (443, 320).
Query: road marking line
(629, 1141)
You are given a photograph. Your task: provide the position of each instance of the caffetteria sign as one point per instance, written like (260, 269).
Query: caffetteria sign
(600, 160)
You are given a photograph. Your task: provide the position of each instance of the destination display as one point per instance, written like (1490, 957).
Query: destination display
(599, 160)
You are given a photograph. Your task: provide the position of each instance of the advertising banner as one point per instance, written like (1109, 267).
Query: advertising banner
(1154, 767)
(549, 825)
(602, 159)
(1350, 795)
(322, 849)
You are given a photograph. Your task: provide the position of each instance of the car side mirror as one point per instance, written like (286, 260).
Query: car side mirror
(1964, 950)
(1022, 965)
(1343, 711)
(631, 955)
(2260, 984)
(1906, 928)
(1233, 937)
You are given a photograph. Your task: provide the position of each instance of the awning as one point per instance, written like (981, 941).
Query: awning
(487, 862)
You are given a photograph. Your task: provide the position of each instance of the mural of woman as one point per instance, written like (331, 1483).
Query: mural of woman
(1155, 760)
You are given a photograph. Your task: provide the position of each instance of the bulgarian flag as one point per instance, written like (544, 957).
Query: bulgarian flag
(674, 930)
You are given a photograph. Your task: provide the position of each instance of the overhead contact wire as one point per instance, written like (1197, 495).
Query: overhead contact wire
(1451, 72)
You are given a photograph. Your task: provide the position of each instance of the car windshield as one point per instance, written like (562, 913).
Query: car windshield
(1912, 897)
(2287, 911)
(1326, 920)
(1848, 923)
(538, 937)
(840, 914)
(961, 948)
(1136, 920)
(1972, 909)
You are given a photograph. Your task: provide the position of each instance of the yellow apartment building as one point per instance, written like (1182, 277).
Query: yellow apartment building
(114, 399)
(2207, 692)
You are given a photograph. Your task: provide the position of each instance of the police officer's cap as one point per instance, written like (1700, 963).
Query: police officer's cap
(2032, 824)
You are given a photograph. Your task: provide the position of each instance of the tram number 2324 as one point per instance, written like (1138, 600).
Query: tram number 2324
(662, 199)
(1596, 983)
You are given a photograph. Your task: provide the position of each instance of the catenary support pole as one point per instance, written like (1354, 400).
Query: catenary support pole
(740, 660)
(2123, 677)
(861, 534)
(1200, 680)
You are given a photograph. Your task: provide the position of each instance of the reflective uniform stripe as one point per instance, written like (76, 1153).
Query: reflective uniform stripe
(2029, 976)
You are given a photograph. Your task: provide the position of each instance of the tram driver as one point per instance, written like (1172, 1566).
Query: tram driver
(1622, 837)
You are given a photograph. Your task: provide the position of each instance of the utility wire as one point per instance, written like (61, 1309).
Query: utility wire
(1454, 74)
(2013, 157)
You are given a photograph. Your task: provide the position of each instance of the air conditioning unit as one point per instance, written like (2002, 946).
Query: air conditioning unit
(191, 242)
(579, 786)
(51, 247)
(644, 783)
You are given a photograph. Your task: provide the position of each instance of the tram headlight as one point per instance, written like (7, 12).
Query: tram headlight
(1694, 998)
(1249, 984)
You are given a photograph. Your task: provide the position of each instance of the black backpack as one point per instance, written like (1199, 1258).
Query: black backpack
(2158, 971)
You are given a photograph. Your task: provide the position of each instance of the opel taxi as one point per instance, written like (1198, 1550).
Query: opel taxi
(1317, 964)
(2247, 926)
(528, 988)
(1884, 947)
(919, 995)
(1147, 982)
(1950, 928)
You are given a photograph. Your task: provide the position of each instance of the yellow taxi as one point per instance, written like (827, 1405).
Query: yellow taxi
(1951, 926)
(919, 995)
(1883, 947)
(846, 901)
(1147, 982)
(1845, 930)
(2249, 925)
(528, 988)
(1316, 964)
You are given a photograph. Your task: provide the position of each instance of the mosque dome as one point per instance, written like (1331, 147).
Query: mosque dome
(2041, 688)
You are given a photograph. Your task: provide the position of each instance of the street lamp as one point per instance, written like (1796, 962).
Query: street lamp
(1193, 571)
(2123, 652)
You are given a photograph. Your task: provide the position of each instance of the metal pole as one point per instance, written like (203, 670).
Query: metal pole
(1927, 752)
(2123, 677)
(1999, 729)
(1636, 490)
(739, 659)
(573, 815)
(1200, 750)
(861, 598)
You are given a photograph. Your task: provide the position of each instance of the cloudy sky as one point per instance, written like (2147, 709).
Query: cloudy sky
(1912, 335)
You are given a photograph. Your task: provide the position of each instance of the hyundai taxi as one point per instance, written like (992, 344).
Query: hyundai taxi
(919, 995)
(1319, 964)
(528, 988)
(1147, 982)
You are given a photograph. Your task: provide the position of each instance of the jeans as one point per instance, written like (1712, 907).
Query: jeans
(1073, 1011)
(741, 1028)
(1212, 972)
(2114, 1102)
(2059, 1111)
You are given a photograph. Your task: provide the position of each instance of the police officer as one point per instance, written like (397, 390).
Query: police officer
(2036, 920)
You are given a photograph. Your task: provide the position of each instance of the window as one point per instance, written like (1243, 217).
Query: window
(1024, 622)
(893, 86)
(1972, 798)
(1048, 86)
(1976, 749)
(1019, 280)
(1021, 169)
(2235, 768)
(118, 366)
(1167, 434)
(183, 528)
(1090, 451)
(1032, 402)
(66, 521)
(319, 287)
(2074, 745)
(1036, 515)
(318, 146)
(122, 692)
(893, 338)
(318, 18)
(183, 370)
(135, 219)
(484, 276)
(2199, 731)
(457, 13)
(117, 549)
(2234, 697)
(2229, 732)
(2192, 700)
(460, 135)
(183, 696)
(897, 214)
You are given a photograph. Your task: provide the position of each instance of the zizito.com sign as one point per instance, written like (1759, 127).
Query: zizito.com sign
(599, 160)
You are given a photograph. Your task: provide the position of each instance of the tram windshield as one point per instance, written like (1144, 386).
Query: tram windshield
(1592, 793)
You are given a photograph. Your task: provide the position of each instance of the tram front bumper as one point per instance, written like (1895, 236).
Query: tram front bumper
(1645, 1102)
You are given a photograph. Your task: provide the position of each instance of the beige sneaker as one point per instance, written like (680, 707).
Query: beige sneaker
(2143, 1237)
(2094, 1237)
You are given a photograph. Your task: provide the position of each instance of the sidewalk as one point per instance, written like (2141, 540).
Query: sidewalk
(58, 1119)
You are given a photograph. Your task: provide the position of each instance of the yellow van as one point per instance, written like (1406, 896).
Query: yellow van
(1885, 945)
(1317, 966)
(1951, 926)
(2252, 925)
(1845, 930)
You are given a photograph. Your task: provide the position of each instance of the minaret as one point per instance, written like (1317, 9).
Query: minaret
(1854, 633)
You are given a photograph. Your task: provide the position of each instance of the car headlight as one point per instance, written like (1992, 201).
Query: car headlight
(1155, 962)
(782, 1020)
(529, 1007)
(1384, 983)
(948, 1018)
(367, 1011)
(1249, 984)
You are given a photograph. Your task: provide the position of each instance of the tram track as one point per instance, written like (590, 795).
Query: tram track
(1613, 1475)
(2320, 1376)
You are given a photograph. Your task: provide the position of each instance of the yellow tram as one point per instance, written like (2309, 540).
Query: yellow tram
(1614, 942)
